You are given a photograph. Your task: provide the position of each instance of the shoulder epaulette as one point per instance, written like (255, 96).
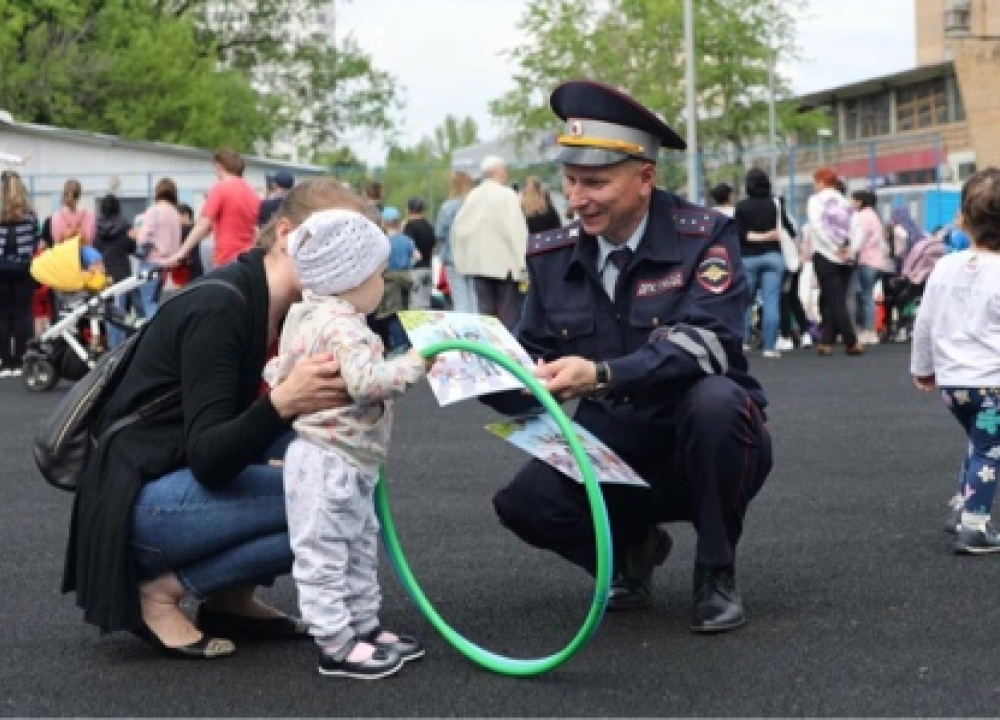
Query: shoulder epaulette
(553, 239)
(695, 221)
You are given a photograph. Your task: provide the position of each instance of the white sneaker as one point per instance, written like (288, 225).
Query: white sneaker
(6, 373)
(770, 354)
(807, 340)
(784, 344)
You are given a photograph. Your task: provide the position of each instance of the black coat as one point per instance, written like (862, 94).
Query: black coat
(215, 347)
(115, 246)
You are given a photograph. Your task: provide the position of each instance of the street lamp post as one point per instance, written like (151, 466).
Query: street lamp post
(821, 134)
(692, 110)
(771, 115)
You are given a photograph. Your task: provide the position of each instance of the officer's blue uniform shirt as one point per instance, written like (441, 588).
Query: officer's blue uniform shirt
(678, 317)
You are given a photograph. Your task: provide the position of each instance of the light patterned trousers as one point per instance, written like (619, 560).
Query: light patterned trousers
(334, 536)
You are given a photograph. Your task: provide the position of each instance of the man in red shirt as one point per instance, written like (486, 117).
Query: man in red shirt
(229, 213)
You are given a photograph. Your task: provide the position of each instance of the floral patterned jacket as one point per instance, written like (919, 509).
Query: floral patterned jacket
(359, 431)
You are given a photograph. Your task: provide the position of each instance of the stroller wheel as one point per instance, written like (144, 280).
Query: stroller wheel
(39, 375)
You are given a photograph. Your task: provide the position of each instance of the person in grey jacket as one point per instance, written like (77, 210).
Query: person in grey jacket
(489, 240)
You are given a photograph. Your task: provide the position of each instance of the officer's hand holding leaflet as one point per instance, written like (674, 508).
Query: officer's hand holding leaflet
(568, 377)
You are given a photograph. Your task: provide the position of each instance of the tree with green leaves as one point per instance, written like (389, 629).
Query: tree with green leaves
(318, 87)
(120, 69)
(197, 72)
(639, 45)
(424, 170)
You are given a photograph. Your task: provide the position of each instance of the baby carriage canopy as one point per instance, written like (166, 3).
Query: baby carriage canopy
(59, 267)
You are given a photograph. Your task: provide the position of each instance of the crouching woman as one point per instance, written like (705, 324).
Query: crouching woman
(188, 505)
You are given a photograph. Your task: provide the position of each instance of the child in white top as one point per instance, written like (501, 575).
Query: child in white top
(956, 347)
(331, 469)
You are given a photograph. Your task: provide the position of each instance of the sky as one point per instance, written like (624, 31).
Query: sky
(447, 54)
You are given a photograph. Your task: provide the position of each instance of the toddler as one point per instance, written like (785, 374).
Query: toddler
(956, 346)
(332, 467)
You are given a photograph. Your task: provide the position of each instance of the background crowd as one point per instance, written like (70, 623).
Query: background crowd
(845, 275)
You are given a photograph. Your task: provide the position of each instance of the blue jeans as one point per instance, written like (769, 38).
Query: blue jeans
(865, 278)
(149, 293)
(214, 538)
(463, 295)
(764, 272)
(116, 336)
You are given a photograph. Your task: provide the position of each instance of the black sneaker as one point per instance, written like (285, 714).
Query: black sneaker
(407, 647)
(382, 664)
(977, 541)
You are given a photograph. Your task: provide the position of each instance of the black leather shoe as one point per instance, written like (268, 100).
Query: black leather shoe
(214, 622)
(717, 604)
(632, 585)
(204, 649)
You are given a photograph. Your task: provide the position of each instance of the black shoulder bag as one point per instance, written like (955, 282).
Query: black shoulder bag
(65, 438)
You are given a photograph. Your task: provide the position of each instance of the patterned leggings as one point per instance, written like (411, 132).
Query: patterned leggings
(978, 412)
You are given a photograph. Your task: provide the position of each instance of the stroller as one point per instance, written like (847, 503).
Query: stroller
(84, 307)
(907, 287)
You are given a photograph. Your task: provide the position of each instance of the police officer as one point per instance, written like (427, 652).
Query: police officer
(637, 309)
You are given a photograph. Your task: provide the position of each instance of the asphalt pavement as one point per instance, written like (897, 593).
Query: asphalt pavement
(856, 604)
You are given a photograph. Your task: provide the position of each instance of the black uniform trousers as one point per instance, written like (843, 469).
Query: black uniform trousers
(716, 456)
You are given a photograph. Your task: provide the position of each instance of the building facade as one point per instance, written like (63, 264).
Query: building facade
(914, 136)
(46, 157)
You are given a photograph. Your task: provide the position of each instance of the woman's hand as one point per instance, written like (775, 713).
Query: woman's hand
(314, 384)
(925, 383)
(568, 377)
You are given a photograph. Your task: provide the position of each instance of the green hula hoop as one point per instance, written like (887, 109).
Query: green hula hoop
(489, 660)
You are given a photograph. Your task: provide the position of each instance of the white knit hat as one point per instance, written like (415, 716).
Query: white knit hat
(336, 250)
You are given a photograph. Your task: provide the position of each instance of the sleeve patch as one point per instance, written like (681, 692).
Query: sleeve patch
(554, 239)
(715, 272)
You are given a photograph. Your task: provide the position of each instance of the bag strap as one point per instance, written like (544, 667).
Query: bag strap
(155, 405)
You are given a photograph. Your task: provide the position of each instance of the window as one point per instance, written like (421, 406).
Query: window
(957, 18)
(965, 170)
(867, 117)
(926, 176)
(922, 105)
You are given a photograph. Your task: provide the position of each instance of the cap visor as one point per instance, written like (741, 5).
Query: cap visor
(592, 157)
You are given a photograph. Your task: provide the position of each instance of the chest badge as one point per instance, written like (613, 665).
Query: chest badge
(715, 272)
(660, 285)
